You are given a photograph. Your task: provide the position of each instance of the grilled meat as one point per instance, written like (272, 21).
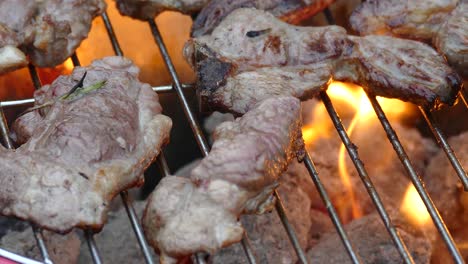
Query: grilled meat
(84, 149)
(238, 176)
(444, 23)
(290, 11)
(404, 69)
(452, 39)
(414, 19)
(252, 55)
(148, 9)
(48, 31)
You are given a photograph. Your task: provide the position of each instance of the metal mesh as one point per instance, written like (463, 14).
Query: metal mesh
(204, 147)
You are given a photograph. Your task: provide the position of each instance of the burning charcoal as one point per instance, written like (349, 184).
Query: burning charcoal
(382, 164)
(443, 184)
(372, 243)
(61, 248)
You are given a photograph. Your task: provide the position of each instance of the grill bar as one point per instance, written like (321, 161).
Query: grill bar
(294, 240)
(136, 227)
(89, 235)
(30, 101)
(434, 213)
(331, 209)
(463, 97)
(161, 158)
(352, 151)
(201, 141)
(440, 137)
(129, 208)
(37, 85)
(15, 257)
(36, 231)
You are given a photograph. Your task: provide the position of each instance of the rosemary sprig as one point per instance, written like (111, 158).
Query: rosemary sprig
(76, 91)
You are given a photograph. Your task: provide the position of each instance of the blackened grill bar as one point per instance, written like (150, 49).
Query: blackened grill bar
(308, 162)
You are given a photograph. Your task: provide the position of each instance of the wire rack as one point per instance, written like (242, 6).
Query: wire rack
(201, 257)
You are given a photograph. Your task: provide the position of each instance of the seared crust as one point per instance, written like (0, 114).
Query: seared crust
(257, 56)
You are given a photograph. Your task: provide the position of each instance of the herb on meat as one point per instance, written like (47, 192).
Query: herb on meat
(75, 91)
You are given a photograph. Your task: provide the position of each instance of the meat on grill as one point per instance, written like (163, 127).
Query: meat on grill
(48, 31)
(444, 23)
(185, 216)
(81, 152)
(148, 9)
(290, 11)
(212, 12)
(252, 55)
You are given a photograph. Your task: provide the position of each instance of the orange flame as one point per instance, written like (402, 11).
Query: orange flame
(413, 207)
(355, 97)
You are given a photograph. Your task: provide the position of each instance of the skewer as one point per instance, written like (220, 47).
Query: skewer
(433, 212)
(352, 151)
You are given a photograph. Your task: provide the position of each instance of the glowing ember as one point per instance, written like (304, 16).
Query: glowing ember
(354, 98)
(413, 207)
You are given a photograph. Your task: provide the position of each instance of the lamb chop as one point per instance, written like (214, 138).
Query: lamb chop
(47, 31)
(83, 146)
(185, 216)
(252, 55)
(444, 23)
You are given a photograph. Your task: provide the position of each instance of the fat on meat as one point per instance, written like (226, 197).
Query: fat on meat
(44, 32)
(252, 55)
(184, 216)
(79, 153)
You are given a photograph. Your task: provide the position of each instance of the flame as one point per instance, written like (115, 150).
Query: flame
(68, 65)
(354, 97)
(413, 207)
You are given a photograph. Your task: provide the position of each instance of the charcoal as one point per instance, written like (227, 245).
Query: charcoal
(372, 243)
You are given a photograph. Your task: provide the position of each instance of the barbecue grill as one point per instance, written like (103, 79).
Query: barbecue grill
(178, 88)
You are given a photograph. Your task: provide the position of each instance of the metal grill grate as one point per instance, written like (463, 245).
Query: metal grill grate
(250, 255)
